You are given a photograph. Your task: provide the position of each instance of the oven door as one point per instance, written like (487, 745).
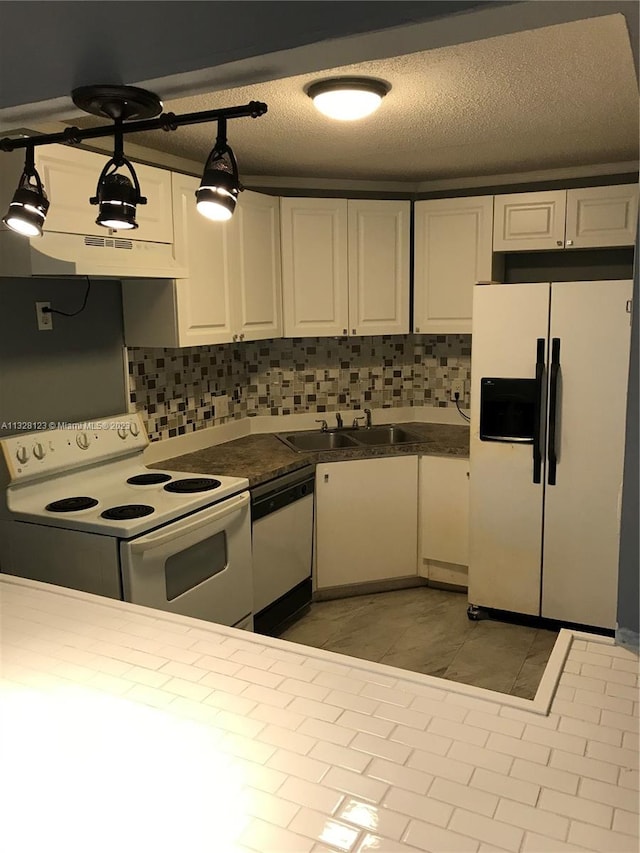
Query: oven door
(197, 566)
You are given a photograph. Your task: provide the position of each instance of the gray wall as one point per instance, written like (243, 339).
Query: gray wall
(74, 372)
(629, 566)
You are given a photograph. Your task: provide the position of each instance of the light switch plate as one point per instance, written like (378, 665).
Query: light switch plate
(221, 404)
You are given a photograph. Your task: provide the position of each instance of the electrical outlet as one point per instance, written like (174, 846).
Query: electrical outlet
(45, 319)
(456, 387)
(221, 406)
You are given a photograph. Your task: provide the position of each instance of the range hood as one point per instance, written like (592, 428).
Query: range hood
(63, 255)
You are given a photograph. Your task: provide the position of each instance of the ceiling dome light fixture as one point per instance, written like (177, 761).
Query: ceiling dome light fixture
(347, 98)
(29, 205)
(218, 191)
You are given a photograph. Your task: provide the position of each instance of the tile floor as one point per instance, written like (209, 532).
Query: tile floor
(427, 630)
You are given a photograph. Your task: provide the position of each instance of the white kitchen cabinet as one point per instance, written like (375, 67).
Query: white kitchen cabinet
(566, 219)
(233, 289)
(345, 267)
(602, 216)
(70, 177)
(444, 519)
(453, 251)
(366, 520)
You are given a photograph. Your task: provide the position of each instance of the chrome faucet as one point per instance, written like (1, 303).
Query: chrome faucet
(355, 424)
(368, 414)
(339, 420)
(324, 426)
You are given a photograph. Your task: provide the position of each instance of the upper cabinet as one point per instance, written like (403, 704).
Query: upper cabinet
(70, 177)
(452, 239)
(345, 267)
(233, 290)
(566, 219)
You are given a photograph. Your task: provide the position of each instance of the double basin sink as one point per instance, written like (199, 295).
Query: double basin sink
(377, 436)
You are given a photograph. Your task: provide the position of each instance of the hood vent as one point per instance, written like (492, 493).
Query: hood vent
(108, 242)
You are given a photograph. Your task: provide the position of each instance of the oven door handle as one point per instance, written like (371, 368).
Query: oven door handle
(198, 520)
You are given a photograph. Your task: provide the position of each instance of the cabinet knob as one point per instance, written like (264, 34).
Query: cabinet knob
(417, 330)
(235, 337)
(559, 243)
(241, 337)
(345, 331)
(326, 478)
(353, 331)
(569, 243)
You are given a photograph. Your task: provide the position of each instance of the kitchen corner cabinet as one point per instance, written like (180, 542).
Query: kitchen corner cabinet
(592, 217)
(453, 251)
(345, 267)
(366, 520)
(234, 287)
(70, 177)
(444, 519)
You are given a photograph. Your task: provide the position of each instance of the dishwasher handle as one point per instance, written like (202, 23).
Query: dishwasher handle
(278, 498)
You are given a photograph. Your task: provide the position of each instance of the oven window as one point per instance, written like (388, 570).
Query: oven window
(196, 564)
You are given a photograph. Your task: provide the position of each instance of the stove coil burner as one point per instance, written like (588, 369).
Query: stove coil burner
(71, 504)
(193, 484)
(148, 479)
(126, 511)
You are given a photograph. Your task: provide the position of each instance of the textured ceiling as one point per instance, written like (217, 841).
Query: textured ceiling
(554, 97)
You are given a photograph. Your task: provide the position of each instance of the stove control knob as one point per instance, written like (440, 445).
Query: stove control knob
(135, 429)
(22, 454)
(122, 432)
(82, 440)
(39, 451)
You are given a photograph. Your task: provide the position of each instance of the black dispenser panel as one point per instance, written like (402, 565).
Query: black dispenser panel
(508, 409)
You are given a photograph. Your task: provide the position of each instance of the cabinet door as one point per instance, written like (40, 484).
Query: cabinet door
(444, 518)
(452, 253)
(70, 177)
(378, 267)
(314, 266)
(602, 216)
(366, 520)
(524, 222)
(582, 509)
(203, 301)
(257, 282)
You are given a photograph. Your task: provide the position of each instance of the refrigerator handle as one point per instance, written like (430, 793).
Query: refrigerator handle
(537, 455)
(553, 402)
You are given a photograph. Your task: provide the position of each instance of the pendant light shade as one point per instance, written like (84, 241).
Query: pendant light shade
(218, 191)
(29, 205)
(347, 98)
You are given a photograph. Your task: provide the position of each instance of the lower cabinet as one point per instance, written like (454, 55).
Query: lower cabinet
(366, 520)
(444, 519)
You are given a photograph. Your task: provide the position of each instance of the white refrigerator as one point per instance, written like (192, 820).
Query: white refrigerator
(548, 407)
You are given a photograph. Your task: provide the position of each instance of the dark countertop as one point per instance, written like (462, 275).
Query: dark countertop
(260, 458)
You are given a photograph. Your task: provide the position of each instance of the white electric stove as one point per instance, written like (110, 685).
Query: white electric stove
(81, 510)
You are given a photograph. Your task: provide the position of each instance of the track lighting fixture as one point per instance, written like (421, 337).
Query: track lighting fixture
(117, 196)
(28, 208)
(218, 191)
(347, 98)
(132, 110)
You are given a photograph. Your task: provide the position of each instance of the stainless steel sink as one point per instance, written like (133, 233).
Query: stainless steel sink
(389, 434)
(377, 436)
(317, 440)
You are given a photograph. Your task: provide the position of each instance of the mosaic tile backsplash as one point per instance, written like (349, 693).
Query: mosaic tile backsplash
(176, 389)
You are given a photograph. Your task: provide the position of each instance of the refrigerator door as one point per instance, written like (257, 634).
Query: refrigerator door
(505, 502)
(590, 329)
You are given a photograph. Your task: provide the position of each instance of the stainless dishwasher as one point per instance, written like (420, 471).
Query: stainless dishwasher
(282, 544)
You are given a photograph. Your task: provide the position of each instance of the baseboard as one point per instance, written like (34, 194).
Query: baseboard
(368, 588)
(629, 639)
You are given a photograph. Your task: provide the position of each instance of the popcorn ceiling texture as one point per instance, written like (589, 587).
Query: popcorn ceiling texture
(175, 390)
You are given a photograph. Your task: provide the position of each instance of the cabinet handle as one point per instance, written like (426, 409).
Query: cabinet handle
(326, 478)
(417, 330)
(353, 331)
(345, 331)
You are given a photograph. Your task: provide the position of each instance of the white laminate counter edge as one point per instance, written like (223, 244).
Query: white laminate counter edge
(539, 705)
